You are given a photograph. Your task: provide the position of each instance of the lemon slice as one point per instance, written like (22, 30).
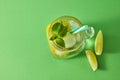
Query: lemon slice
(99, 43)
(92, 59)
(47, 30)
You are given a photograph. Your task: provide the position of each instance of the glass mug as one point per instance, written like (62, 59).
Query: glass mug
(63, 44)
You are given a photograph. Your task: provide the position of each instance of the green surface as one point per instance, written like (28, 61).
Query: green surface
(24, 51)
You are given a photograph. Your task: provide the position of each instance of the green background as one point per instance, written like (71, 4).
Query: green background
(24, 50)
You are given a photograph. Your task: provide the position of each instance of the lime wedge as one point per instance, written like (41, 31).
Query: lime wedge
(99, 43)
(92, 59)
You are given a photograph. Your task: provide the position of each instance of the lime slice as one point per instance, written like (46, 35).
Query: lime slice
(92, 59)
(99, 43)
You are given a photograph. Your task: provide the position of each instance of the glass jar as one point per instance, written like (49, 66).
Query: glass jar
(73, 43)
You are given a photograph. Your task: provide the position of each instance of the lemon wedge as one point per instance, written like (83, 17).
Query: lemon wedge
(92, 59)
(99, 43)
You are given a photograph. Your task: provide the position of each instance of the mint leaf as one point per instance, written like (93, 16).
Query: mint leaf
(59, 29)
(56, 28)
(53, 37)
(63, 32)
(60, 42)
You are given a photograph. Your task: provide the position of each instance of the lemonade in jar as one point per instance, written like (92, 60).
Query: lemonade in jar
(66, 36)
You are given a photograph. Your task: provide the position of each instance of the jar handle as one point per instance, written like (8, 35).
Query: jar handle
(90, 32)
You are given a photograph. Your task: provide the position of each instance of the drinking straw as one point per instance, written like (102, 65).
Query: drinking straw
(79, 29)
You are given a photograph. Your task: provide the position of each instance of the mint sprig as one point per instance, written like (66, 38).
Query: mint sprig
(59, 31)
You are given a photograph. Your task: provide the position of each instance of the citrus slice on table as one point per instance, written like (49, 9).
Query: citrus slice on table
(99, 43)
(92, 59)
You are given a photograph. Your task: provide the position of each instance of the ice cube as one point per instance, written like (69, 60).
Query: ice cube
(69, 40)
(73, 24)
(78, 37)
